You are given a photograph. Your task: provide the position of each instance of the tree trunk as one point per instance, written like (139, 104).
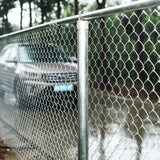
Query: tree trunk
(30, 13)
(58, 15)
(6, 24)
(103, 66)
(21, 14)
(76, 9)
(139, 46)
(42, 11)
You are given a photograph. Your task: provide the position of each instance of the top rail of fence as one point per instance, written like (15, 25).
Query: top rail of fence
(133, 6)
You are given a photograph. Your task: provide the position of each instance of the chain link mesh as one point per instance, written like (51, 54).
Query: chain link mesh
(124, 71)
(38, 94)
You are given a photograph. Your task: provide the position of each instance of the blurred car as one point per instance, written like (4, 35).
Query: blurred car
(38, 73)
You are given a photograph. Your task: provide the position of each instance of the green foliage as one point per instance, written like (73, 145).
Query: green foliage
(120, 55)
(5, 6)
(46, 6)
(121, 51)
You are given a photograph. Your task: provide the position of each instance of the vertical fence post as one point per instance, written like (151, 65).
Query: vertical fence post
(82, 27)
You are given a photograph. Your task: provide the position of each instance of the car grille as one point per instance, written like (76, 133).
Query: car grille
(60, 77)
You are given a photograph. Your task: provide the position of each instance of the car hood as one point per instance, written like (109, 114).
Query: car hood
(49, 67)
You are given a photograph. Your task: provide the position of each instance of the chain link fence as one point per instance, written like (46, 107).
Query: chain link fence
(124, 71)
(39, 89)
(39, 92)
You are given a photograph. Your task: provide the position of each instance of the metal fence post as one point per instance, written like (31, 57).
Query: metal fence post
(83, 88)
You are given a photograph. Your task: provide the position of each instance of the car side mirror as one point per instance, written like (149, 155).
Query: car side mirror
(12, 61)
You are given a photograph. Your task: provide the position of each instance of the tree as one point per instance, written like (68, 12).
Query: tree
(101, 5)
(58, 16)
(76, 8)
(104, 79)
(58, 12)
(46, 6)
(59, 4)
(30, 12)
(5, 6)
(139, 45)
(42, 6)
(21, 13)
(21, 2)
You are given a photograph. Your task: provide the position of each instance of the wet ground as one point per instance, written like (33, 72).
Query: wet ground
(119, 129)
(5, 152)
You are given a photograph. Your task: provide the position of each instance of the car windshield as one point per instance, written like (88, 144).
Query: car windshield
(43, 54)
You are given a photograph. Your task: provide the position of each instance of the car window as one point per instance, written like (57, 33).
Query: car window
(24, 54)
(43, 54)
(12, 57)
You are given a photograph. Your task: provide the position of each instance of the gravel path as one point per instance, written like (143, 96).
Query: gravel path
(5, 152)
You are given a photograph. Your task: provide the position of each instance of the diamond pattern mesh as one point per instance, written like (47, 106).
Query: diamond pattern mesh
(124, 86)
(39, 93)
(38, 89)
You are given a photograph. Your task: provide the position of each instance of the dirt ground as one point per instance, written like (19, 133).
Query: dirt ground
(5, 152)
